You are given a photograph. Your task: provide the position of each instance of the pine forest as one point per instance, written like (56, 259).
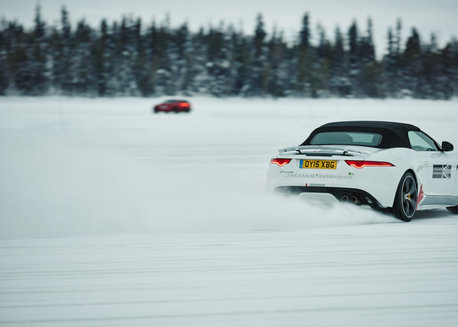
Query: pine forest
(128, 58)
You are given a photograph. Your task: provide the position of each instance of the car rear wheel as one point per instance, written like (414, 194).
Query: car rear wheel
(453, 209)
(405, 202)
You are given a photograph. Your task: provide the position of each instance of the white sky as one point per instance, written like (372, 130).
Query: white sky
(439, 16)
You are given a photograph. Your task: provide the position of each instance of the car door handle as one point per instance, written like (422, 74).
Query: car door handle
(426, 163)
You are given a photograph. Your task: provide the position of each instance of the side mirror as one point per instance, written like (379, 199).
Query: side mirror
(447, 146)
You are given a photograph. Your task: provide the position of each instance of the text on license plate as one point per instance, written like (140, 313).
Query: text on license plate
(318, 164)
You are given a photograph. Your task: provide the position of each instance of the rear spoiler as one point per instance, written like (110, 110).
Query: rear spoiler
(320, 150)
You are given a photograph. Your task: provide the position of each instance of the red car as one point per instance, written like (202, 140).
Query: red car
(173, 105)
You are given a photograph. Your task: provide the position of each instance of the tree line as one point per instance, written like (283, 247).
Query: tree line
(126, 58)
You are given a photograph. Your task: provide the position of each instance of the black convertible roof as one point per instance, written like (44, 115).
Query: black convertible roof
(394, 135)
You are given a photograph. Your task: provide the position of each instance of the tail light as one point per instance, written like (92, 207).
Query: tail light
(280, 162)
(362, 163)
(184, 104)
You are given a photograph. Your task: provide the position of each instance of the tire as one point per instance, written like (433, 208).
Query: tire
(405, 201)
(453, 209)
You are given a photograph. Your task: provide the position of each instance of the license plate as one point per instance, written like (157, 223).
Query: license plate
(318, 164)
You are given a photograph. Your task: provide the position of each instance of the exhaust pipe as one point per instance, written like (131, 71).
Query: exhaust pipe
(351, 198)
(354, 199)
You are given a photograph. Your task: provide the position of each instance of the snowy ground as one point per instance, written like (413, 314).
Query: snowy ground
(113, 216)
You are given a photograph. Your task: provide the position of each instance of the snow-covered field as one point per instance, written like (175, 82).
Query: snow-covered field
(113, 216)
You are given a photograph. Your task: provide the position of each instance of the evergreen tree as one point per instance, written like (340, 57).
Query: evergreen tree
(217, 62)
(84, 80)
(371, 75)
(353, 57)
(366, 46)
(4, 82)
(398, 63)
(260, 71)
(39, 57)
(164, 74)
(322, 68)
(242, 64)
(390, 64)
(278, 81)
(412, 62)
(304, 61)
(100, 54)
(19, 60)
(305, 32)
(340, 84)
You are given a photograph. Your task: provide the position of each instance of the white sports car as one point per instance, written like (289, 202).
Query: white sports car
(381, 164)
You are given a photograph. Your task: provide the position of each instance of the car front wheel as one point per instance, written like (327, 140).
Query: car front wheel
(405, 202)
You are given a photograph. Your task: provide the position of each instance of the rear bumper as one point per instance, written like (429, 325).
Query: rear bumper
(176, 109)
(374, 183)
(162, 109)
(343, 194)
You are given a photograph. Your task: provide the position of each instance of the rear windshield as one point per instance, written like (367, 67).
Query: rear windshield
(347, 138)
